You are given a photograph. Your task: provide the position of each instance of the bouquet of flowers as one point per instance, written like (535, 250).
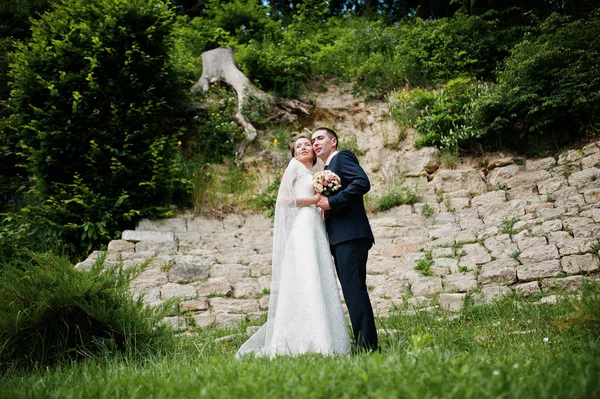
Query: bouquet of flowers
(326, 182)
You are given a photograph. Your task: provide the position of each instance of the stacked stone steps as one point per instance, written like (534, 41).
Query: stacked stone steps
(529, 227)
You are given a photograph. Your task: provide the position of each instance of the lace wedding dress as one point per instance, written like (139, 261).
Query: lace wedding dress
(305, 310)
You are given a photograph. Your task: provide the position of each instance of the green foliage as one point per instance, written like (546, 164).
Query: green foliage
(438, 115)
(427, 210)
(424, 265)
(255, 109)
(587, 319)
(238, 21)
(213, 135)
(51, 312)
(380, 57)
(396, 195)
(495, 350)
(449, 158)
(96, 102)
(267, 199)
(508, 226)
(549, 90)
(430, 52)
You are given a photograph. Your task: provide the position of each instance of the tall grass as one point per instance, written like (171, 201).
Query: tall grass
(509, 349)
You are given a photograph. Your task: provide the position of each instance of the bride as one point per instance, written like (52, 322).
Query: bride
(305, 310)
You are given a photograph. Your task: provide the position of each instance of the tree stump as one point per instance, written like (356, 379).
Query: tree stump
(218, 65)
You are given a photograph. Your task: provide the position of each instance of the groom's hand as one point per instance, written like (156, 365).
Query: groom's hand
(324, 203)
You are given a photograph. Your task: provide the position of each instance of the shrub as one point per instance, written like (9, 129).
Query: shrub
(97, 108)
(438, 115)
(213, 135)
(396, 195)
(51, 312)
(549, 91)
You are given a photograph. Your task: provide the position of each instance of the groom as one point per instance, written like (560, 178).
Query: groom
(350, 235)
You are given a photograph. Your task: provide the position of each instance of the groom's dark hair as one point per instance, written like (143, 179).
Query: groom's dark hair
(330, 133)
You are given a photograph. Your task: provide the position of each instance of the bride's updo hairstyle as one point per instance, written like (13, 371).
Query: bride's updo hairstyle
(301, 136)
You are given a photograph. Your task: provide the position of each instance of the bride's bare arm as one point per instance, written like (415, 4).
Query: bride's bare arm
(308, 201)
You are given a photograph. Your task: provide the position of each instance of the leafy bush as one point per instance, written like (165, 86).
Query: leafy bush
(438, 115)
(51, 312)
(267, 199)
(396, 195)
(213, 135)
(549, 91)
(97, 109)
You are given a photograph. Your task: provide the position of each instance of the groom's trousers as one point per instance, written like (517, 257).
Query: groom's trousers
(351, 265)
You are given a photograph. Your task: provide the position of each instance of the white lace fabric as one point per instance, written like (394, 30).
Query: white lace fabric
(305, 310)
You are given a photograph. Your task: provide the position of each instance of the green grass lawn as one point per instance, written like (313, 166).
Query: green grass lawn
(511, 349)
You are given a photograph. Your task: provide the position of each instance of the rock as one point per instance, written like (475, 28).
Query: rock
(585, 178)
(176, 322)
(475, 253)
(149, 278)
(396, 250)
(389, 287)
(214, 286)
(204, 226)
(231, 272)
(459, 179)
(156, 247)
(226, 320)
(491, 198)
(491, 293)
(565, 284)
(138, 235)
(528, 289)
(424, 161)
(536, 164)
(502, 271)
(460, 282)
(426, 286)
(576, 264)
(525, 242)
(441, 252)
(549, 186)
(443, 230)
(548, 227)
(537, 271)
(539, 253)
(502, 174)
(121, 246)
(205, 319)
(499, 162)
(175, 225)
(200, 304)
(500, 246)
(549, 300)
(171, 290)
(592, 197)
(248, 287)
(452, 302)
(235, 306)
(188, 268)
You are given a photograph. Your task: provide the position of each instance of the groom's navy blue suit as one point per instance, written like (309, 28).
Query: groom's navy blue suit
(350, 238)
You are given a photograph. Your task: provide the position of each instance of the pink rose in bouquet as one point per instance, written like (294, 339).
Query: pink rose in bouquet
(326, 183)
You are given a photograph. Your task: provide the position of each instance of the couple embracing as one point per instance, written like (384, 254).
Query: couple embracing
(305, 310)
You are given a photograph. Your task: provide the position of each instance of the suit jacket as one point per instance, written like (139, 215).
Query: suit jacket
(347, 218)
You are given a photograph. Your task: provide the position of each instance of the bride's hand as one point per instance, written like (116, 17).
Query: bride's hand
(315, 199)
(308, 201)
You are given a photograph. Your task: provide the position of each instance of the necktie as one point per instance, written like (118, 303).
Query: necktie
(326, 167)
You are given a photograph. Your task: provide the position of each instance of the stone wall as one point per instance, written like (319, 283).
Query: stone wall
(529, 227)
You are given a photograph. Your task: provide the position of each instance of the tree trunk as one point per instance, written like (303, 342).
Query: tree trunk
(218, 65)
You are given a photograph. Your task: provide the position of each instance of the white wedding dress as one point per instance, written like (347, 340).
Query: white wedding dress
(305, 310)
